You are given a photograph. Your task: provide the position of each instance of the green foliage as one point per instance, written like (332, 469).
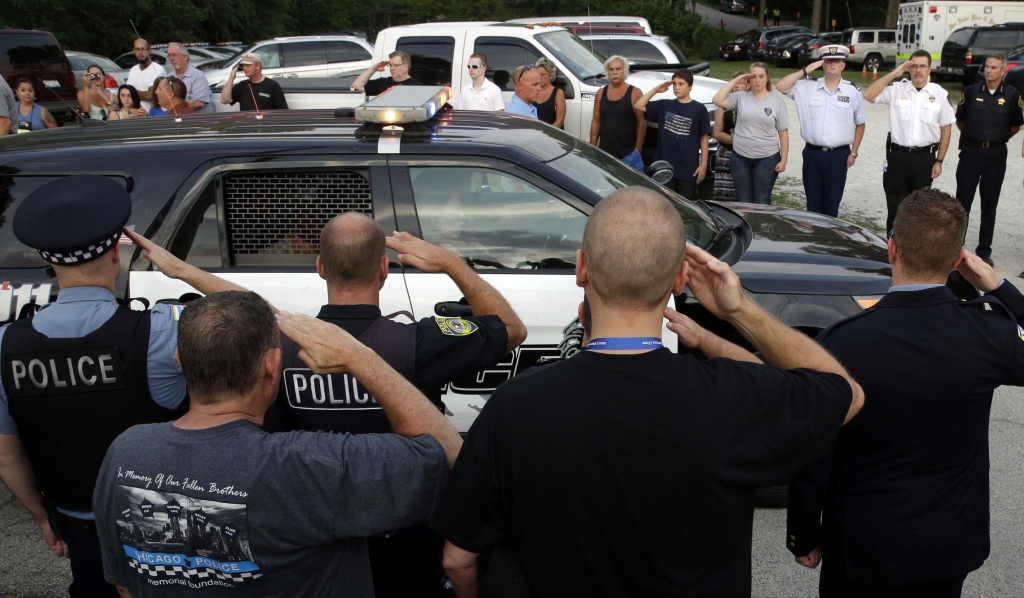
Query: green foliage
(102, 26)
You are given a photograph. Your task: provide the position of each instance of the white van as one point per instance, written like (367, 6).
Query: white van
(926, 25)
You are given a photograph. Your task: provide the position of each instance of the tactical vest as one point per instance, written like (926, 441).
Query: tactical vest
(71, 397)
(338, 402)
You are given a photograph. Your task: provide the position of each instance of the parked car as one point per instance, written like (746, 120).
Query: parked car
(811, 50)
(733, 6)
(642, 50)
(788, 53)
(739, 48)
(966, 50)
(81, 61)
(774, 47)
(757, 45)
(873, 48)
(303, 56)
(36, 56)
(196, 58)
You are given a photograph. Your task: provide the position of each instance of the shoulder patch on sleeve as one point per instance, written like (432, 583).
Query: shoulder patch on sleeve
(176, 311)
(963, 97)
(1020, 101)
(455, 326)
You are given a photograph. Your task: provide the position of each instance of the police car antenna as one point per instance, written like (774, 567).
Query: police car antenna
(137, 36)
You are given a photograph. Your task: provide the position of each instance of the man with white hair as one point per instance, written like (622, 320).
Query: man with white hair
(199, 97)
(617, 127)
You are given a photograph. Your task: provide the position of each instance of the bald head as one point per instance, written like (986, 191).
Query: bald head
(634, 245)
(351, 248)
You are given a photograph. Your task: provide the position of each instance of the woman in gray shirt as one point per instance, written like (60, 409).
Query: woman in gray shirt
(761, 140)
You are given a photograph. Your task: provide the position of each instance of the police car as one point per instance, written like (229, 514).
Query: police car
(245, 195)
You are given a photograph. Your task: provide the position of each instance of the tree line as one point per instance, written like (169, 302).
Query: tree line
(105, 26)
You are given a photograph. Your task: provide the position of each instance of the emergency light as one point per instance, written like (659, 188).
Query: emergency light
(404, 104)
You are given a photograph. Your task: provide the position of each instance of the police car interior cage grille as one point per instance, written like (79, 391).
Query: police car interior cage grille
(276, 218)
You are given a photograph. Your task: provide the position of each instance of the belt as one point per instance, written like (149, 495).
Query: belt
(981, 144)
(930, 149)
(820, 148)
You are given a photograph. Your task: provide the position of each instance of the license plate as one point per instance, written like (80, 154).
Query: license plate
(50, 83)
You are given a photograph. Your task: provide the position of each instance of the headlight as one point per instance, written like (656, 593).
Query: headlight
(785, 54)
(736, 48)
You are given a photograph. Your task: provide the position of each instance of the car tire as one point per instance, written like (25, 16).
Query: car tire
(774, 497)
(874, 61)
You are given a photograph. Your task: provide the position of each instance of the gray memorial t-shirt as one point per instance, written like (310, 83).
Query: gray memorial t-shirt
(758, 123)
(234, 509)
(8, 105)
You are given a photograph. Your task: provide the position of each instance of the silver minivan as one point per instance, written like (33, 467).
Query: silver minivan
(873, 48)
(304, 56)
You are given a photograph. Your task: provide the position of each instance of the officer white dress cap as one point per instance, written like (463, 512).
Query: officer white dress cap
(73, 220)
(834, 52)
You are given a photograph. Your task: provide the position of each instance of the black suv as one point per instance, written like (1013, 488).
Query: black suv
(765, 35)
(965, 50)
(245, 196)
(36, 56)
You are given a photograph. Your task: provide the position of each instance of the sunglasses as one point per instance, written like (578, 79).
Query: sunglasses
(475, 66)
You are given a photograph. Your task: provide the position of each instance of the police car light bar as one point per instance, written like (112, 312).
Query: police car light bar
(404, 104)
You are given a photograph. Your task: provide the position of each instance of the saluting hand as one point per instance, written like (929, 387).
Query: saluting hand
(901, 69)
(689, 332)
(380, 66)
(713, 283)
(814, 66)
(168, 263)
(420, 254)
(663, 87)
(325, 348)
(978, 273)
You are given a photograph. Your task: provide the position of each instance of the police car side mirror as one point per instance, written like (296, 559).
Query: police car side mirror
(562, 83)
(661, 171)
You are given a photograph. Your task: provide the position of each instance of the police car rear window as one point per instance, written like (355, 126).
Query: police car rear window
(276, 217)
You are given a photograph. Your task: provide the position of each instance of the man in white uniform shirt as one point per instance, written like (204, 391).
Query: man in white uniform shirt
(480, 94)
(920, 120)
(143, 74)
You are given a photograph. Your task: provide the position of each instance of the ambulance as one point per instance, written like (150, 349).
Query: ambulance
(926, 25)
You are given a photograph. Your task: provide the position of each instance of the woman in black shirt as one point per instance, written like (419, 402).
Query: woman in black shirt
(551, 101)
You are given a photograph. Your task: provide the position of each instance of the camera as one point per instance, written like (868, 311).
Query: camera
(92, 76)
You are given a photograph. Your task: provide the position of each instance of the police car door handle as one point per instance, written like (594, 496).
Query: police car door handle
(450, 309)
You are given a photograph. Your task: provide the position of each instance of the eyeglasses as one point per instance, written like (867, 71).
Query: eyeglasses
(393, 65)
(475, 66)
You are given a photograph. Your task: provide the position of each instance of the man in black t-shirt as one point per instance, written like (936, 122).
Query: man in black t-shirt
(629, 470)
(399, 62)
(258, 93)
(429, 353)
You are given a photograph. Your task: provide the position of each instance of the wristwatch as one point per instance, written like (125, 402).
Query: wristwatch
(938, 160)
(854, 154)
(804, 71)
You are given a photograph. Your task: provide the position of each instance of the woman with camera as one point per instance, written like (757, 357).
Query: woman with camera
(93, 98)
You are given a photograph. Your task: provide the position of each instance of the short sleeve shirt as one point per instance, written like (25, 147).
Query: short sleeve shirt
(680, 129)
(8, 105)
(198, 89)
(916, 116)
(988, 116)
(233, 508)
(142, 80)
(375, 87)
(487, 98)
(517, 106)
(828, 119)
(266, 95)
(758, 123)
(638, 478)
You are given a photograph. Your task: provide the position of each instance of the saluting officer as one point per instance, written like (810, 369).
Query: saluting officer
(429, 353)
(832, 119)
(988, 115)
(83, 369)
(920, 121)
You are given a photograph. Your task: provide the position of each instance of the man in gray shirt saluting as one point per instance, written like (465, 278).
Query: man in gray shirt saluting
(213, 502)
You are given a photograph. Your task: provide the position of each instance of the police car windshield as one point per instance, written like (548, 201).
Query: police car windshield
(603, 174)
(574, 54)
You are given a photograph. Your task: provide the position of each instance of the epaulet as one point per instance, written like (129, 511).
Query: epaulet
(851, 83)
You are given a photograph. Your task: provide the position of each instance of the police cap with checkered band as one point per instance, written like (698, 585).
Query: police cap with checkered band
(73, 220)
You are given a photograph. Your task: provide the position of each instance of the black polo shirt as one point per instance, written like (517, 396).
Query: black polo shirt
(375, 87)
(266, 94)
(988, 116)
(634, 475)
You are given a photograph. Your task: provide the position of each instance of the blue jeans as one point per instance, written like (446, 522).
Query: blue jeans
(633, 159)
(754, 178)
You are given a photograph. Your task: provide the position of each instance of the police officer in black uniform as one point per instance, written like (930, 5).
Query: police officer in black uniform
(989, 114)
(82, 370)
(429, 353)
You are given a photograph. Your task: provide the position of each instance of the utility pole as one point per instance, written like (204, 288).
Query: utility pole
(816, 16)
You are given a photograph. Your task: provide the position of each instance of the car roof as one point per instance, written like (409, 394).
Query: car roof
(522, 140)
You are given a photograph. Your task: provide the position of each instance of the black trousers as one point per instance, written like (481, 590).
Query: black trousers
(408, 563)
(687, 189)
(904, 174)
(825, 179)
(86, 561)
(834, 584)
(984, 167)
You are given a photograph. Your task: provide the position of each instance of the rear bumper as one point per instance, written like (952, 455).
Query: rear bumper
(953, 71)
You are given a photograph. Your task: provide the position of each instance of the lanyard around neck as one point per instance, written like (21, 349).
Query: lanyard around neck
(633, 343)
